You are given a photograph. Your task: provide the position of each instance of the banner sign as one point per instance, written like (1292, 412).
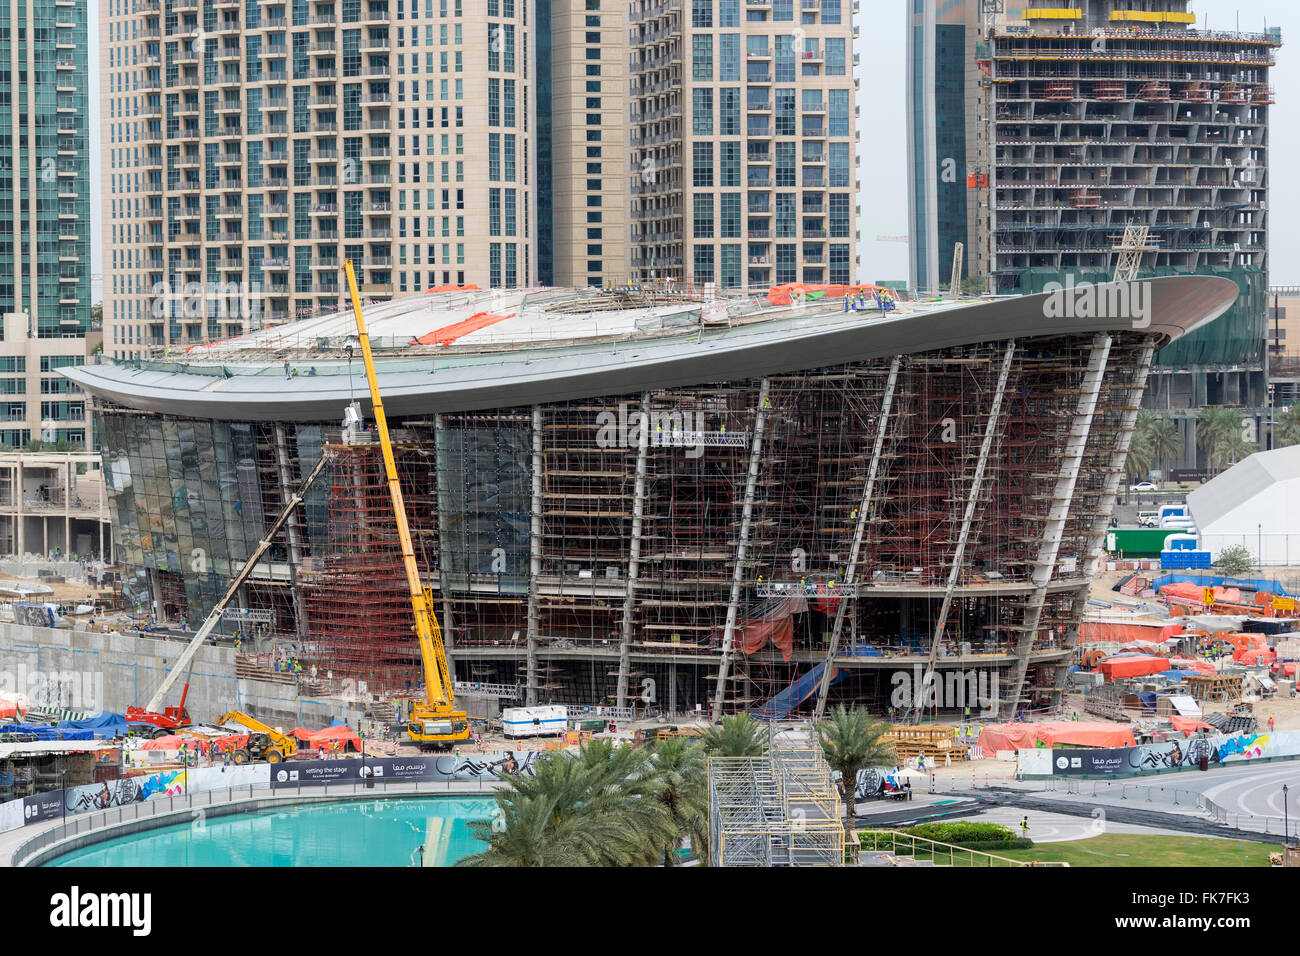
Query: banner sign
(312, 773)
(1173, 754)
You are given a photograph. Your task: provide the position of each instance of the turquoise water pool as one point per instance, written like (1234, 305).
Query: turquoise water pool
(347, 833)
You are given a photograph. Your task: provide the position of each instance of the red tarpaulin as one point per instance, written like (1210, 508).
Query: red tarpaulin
(1133, 665)
(997, 737)
(231, 742)
(450, 333)
(174, 742)
(1186, 664)
(8, 710)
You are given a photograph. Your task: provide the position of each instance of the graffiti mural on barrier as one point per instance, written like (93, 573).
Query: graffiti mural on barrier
(1148, 758)
(101, 796)
(473, 766)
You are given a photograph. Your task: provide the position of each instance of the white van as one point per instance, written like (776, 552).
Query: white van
(549, 721)
(1148, 519)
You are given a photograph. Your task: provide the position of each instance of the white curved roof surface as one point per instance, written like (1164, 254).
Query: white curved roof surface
(538, 354)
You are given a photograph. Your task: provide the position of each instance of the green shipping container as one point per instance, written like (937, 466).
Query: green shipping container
(1138, 542)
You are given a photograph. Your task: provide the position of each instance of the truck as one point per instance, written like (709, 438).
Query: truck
(264, 743)
(547, 721)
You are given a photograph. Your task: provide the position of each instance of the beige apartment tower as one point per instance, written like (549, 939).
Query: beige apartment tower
(744, 142)
(254, 145)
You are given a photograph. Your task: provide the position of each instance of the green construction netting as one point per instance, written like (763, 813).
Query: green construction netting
(1234, 338)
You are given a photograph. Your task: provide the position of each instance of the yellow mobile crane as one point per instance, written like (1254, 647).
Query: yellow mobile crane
(435, 721)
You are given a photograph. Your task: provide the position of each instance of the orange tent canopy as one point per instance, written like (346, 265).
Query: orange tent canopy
(997, 737)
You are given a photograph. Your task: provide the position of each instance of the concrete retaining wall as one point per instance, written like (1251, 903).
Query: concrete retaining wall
(84, 670)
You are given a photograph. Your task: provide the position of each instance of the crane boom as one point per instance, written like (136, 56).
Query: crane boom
(219, 608)
(437, 680)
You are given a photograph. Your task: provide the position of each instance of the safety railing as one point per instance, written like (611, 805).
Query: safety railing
(197, 803)
(1179, 798)
(937, 852)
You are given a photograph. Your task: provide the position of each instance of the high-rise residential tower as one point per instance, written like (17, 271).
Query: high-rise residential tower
(44, 220)
(743, 142)
(1072, 119)
(253, 145)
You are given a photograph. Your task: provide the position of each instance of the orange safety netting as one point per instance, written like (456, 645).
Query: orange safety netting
(450, 333)
(1093, 631)
(1135, 665)
(997, 737)
(780, 294)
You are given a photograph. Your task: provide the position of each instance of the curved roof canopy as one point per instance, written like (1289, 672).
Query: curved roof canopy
(432, 380)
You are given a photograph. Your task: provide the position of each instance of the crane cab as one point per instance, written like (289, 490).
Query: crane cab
(437, 729)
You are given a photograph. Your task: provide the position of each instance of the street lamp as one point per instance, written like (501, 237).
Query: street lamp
(1286, 820)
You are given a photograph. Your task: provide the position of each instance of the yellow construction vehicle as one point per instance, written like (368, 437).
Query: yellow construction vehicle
(263, 742)
(433, 722)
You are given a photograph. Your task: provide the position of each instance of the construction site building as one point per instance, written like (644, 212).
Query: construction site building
(1068, 121)
(690, 506)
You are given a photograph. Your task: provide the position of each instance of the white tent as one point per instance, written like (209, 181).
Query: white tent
(1254, 504)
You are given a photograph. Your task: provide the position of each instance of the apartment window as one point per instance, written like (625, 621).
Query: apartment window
(729, 219)
(702, 58)
(729, 111)
(701, 13)
(729, 164)
(703, 264)
(702, 111)
(834, 56)
(729, 57)
(838, 113)
(703, 216)
(702, 164)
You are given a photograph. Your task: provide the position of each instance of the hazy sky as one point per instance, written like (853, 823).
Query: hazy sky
(882, 96)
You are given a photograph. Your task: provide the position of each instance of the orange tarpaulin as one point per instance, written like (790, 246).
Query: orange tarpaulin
(997, 737)
(776, 624)
(450, 333)
(1093, 631)
(174, 742)
(334, 738)
(1186, 664)
(1188, 725)
(780, 294)
(1254, 655)
(451, 288)
(1134, 665)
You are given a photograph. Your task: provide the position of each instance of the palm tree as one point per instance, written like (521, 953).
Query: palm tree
(682, 785)
(522, 834)
(1218, 433)
(737, 736)
(1138, 461)
(851, 741)
(598, 808)
(1286, 426)
(1164, 440)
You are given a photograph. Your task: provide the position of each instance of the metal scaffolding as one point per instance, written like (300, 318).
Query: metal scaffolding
(781, 809)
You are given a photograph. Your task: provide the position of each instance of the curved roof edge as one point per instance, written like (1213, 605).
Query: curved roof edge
(1168, 307)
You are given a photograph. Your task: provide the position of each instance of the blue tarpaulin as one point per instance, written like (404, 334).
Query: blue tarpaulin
(103, 724)
(44, 732)
(1178, 675)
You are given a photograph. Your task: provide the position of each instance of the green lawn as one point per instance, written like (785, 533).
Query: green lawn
(1119, 849)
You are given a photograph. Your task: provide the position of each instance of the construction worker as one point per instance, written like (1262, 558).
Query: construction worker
(1024, 827)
